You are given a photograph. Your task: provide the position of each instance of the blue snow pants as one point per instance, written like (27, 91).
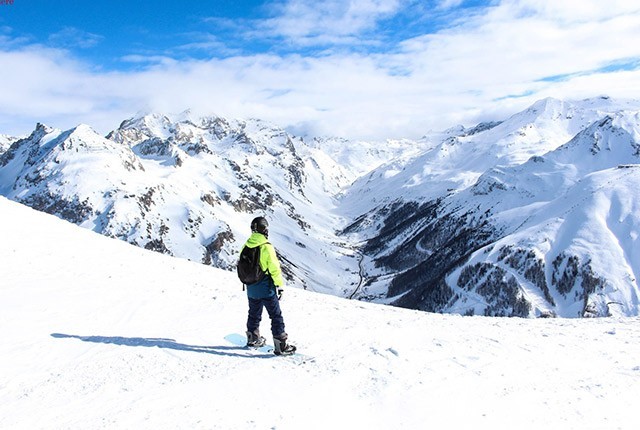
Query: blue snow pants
(273, 309)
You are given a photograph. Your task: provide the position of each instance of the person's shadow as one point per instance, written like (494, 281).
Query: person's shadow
(224, 350)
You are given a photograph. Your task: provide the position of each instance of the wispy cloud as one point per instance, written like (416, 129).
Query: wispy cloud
(303, 22)
(449, 4)
(631, 64)
(71, 37)
(206, 43)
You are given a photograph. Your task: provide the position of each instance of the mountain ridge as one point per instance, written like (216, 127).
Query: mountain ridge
(406, 222)
(442, 232)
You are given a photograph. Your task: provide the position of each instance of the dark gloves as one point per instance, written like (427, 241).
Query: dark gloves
(279, 292)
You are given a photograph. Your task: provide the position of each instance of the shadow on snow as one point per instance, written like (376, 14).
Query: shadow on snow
(165, 344)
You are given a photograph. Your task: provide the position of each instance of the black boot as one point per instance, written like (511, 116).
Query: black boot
(281, 347)
(254, 340)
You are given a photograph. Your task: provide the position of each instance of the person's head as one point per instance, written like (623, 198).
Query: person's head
(260, 225)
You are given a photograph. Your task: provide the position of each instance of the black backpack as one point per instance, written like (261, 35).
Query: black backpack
(249, 270)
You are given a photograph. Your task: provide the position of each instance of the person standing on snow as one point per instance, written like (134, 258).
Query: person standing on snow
(266, 292)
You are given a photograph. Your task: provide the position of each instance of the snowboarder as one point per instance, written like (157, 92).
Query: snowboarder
(266, 292)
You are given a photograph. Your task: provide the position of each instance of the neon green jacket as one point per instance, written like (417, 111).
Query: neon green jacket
(268, 258)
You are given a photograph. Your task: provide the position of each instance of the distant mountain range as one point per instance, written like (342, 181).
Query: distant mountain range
(535, 215)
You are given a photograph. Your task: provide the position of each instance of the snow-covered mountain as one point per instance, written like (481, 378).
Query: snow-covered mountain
(189, 187)
(535, 215)
(99, 334)
(6, 142)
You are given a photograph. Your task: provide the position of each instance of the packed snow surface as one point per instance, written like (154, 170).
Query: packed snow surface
(97, 333)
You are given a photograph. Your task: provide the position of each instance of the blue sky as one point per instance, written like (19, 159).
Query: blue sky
(107, 33)
(369, 69)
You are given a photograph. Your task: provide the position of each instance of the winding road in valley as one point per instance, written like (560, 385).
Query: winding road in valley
(360, 274)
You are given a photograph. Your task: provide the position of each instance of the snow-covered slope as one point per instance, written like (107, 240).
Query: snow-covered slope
(100, 334)
(459, 156)
(575, 214)
(521, 218)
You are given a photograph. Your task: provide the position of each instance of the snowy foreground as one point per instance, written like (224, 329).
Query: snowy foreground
(100, 334)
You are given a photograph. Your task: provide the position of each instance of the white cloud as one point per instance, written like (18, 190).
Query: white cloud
(575, 11)
(512, 47)
(473, 71)
(332, 21)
